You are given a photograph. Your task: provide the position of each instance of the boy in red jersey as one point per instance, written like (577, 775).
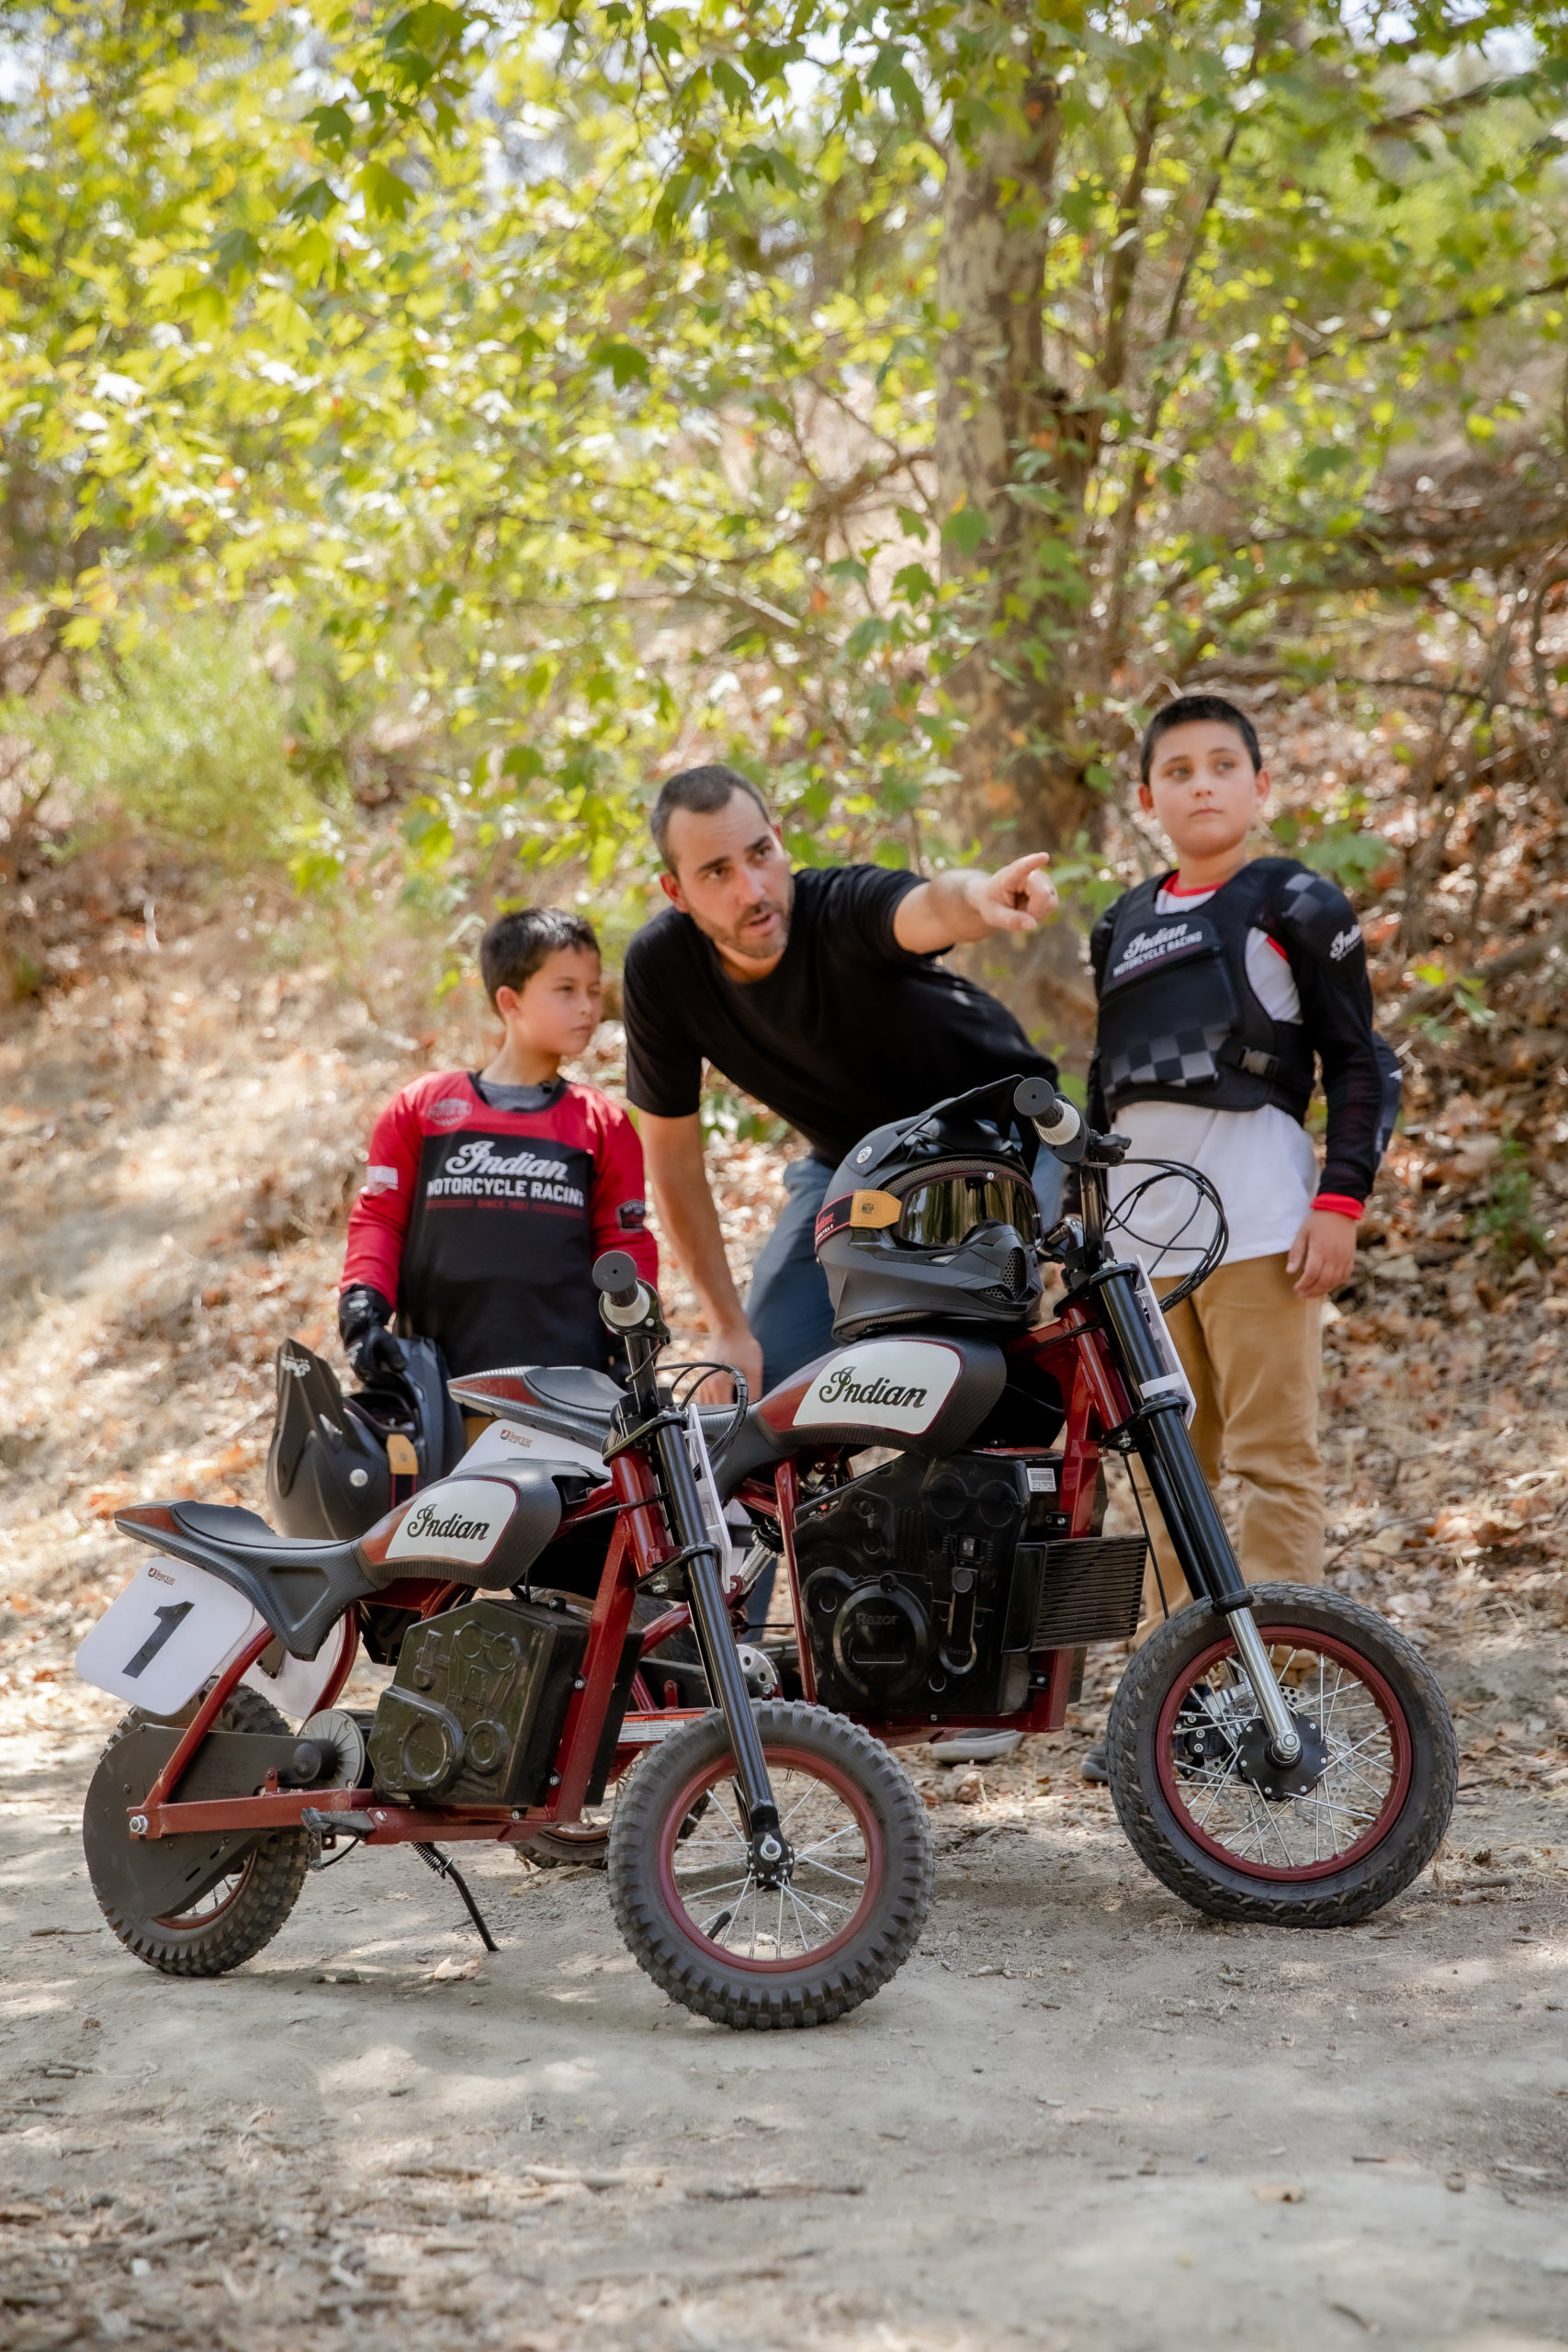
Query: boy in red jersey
(490, 1192)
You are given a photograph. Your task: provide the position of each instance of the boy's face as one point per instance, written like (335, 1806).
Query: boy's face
(558, 1006)
(1203, 790)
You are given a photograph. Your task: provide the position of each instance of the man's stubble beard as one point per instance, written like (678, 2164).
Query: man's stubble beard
(734, 943)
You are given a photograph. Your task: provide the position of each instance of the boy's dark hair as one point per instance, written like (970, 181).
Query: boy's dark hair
(699, 791)
(517, 945)
(1183, 711)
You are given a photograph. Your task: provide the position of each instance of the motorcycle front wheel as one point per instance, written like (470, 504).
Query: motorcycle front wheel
(811, 1946)
(1211, 1815)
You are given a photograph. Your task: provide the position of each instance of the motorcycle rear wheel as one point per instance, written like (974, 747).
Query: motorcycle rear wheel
(692, 1910)
(244, 1910)
(1187, 1753)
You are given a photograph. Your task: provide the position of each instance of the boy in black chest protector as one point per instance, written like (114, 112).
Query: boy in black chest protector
(1223, 987)
(490, 1192)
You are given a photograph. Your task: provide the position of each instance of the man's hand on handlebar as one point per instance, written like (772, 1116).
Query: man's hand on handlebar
(737, 1346)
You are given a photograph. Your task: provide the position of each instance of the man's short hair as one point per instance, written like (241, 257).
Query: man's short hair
(1183, 711)
(517, 945)
(700, 791)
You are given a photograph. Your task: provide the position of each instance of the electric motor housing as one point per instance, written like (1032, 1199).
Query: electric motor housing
(474, 1713)
(917, 1588)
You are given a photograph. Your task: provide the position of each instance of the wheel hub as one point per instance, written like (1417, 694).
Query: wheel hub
(772, 1859)
(1256, 1766)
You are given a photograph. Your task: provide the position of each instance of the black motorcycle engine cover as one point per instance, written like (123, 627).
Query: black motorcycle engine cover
(475, 1711)
(916, 1597)
(882, 1641)
(477, 1703)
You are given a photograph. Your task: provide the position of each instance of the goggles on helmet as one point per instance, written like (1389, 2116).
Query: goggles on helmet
(941, 1210)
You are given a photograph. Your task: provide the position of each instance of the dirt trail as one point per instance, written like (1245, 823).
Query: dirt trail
(1081, 2116)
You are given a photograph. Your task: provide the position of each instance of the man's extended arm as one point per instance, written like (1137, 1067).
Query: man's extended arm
(690, 1221)
(953, 908)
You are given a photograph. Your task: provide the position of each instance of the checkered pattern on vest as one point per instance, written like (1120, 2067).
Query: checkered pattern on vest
(1185, 1058)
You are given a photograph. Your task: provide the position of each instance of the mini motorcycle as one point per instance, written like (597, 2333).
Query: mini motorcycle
(936, 1496)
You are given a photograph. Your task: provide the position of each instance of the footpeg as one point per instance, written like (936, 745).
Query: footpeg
(323, 1829)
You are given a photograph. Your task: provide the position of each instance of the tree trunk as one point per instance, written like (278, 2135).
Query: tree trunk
(1010, 449)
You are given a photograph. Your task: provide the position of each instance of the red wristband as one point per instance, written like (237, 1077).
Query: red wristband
(1340, 1204)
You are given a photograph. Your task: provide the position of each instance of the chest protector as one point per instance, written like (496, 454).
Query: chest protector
(1179, 1022)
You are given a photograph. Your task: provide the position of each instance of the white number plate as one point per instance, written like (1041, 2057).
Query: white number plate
(299, 1685)
(170, 1629)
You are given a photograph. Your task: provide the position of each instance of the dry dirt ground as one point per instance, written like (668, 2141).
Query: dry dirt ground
(1081, 2116)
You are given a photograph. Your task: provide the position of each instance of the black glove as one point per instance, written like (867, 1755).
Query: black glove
(363, 1315)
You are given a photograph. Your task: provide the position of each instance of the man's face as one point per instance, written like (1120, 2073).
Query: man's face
(729, 872)
(1203, 788)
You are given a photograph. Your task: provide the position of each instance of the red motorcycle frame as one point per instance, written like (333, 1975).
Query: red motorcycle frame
(1070, 1351)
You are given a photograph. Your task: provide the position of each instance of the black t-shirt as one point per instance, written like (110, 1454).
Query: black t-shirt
(846, 1033)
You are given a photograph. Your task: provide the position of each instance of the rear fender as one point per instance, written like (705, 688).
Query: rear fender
(301, 1603)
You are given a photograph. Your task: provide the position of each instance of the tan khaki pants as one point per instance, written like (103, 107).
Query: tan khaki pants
(1253, 1352)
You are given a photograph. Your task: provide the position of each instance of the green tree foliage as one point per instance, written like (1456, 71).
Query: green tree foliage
(185, 731)
(892, 399)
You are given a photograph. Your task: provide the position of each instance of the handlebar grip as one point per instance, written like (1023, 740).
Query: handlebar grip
(1033, 1097)
(1056, 1121)
(616, 1275)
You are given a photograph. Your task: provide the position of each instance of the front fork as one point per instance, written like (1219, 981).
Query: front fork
(710, 1623)
(1191, 1517)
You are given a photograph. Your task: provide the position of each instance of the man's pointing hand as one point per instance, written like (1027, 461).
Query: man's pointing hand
(1020, 898)
(953, 908)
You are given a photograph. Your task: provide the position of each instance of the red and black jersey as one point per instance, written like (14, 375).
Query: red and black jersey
(481, 1226)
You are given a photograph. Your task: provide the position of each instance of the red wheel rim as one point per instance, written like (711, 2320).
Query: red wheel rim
(192, 1923)
(781, 1762)
(1396, 1765)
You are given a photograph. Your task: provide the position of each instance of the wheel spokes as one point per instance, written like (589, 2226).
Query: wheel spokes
(1290, 1831)
(717, 1885)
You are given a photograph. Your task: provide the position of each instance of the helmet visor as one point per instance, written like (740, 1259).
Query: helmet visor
(941, 1213)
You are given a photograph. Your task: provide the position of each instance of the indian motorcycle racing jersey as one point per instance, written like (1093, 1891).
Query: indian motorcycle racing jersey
(480, 1225)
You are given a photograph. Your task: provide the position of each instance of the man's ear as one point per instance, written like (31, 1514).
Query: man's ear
(507, 1002)
(1145, 800)
(1260, 785)
(671, 889)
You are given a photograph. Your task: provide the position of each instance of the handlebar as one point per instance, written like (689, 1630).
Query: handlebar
(625, 1299)
(1059, 1125)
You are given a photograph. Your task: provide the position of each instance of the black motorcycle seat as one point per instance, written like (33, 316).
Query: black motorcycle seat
(245, 1531)
(593, 1398)
(577, 1388)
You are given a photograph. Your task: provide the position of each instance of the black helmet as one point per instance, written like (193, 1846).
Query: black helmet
(327, 1471)
(934, 1220)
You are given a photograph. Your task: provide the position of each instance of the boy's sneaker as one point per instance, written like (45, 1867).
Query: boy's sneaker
(1096, 1766)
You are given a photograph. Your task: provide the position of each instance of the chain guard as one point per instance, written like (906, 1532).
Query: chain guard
(158, 1878)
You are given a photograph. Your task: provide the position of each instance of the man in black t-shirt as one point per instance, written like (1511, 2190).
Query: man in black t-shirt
(818, 992)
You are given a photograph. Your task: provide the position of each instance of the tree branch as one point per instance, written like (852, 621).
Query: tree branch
(1467, 314)
(1438, 110)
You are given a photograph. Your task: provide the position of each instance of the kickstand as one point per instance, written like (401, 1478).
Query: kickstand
(445, 1867)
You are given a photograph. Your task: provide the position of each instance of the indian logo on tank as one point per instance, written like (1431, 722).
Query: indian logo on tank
(898, 1385)
(461, 1519)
